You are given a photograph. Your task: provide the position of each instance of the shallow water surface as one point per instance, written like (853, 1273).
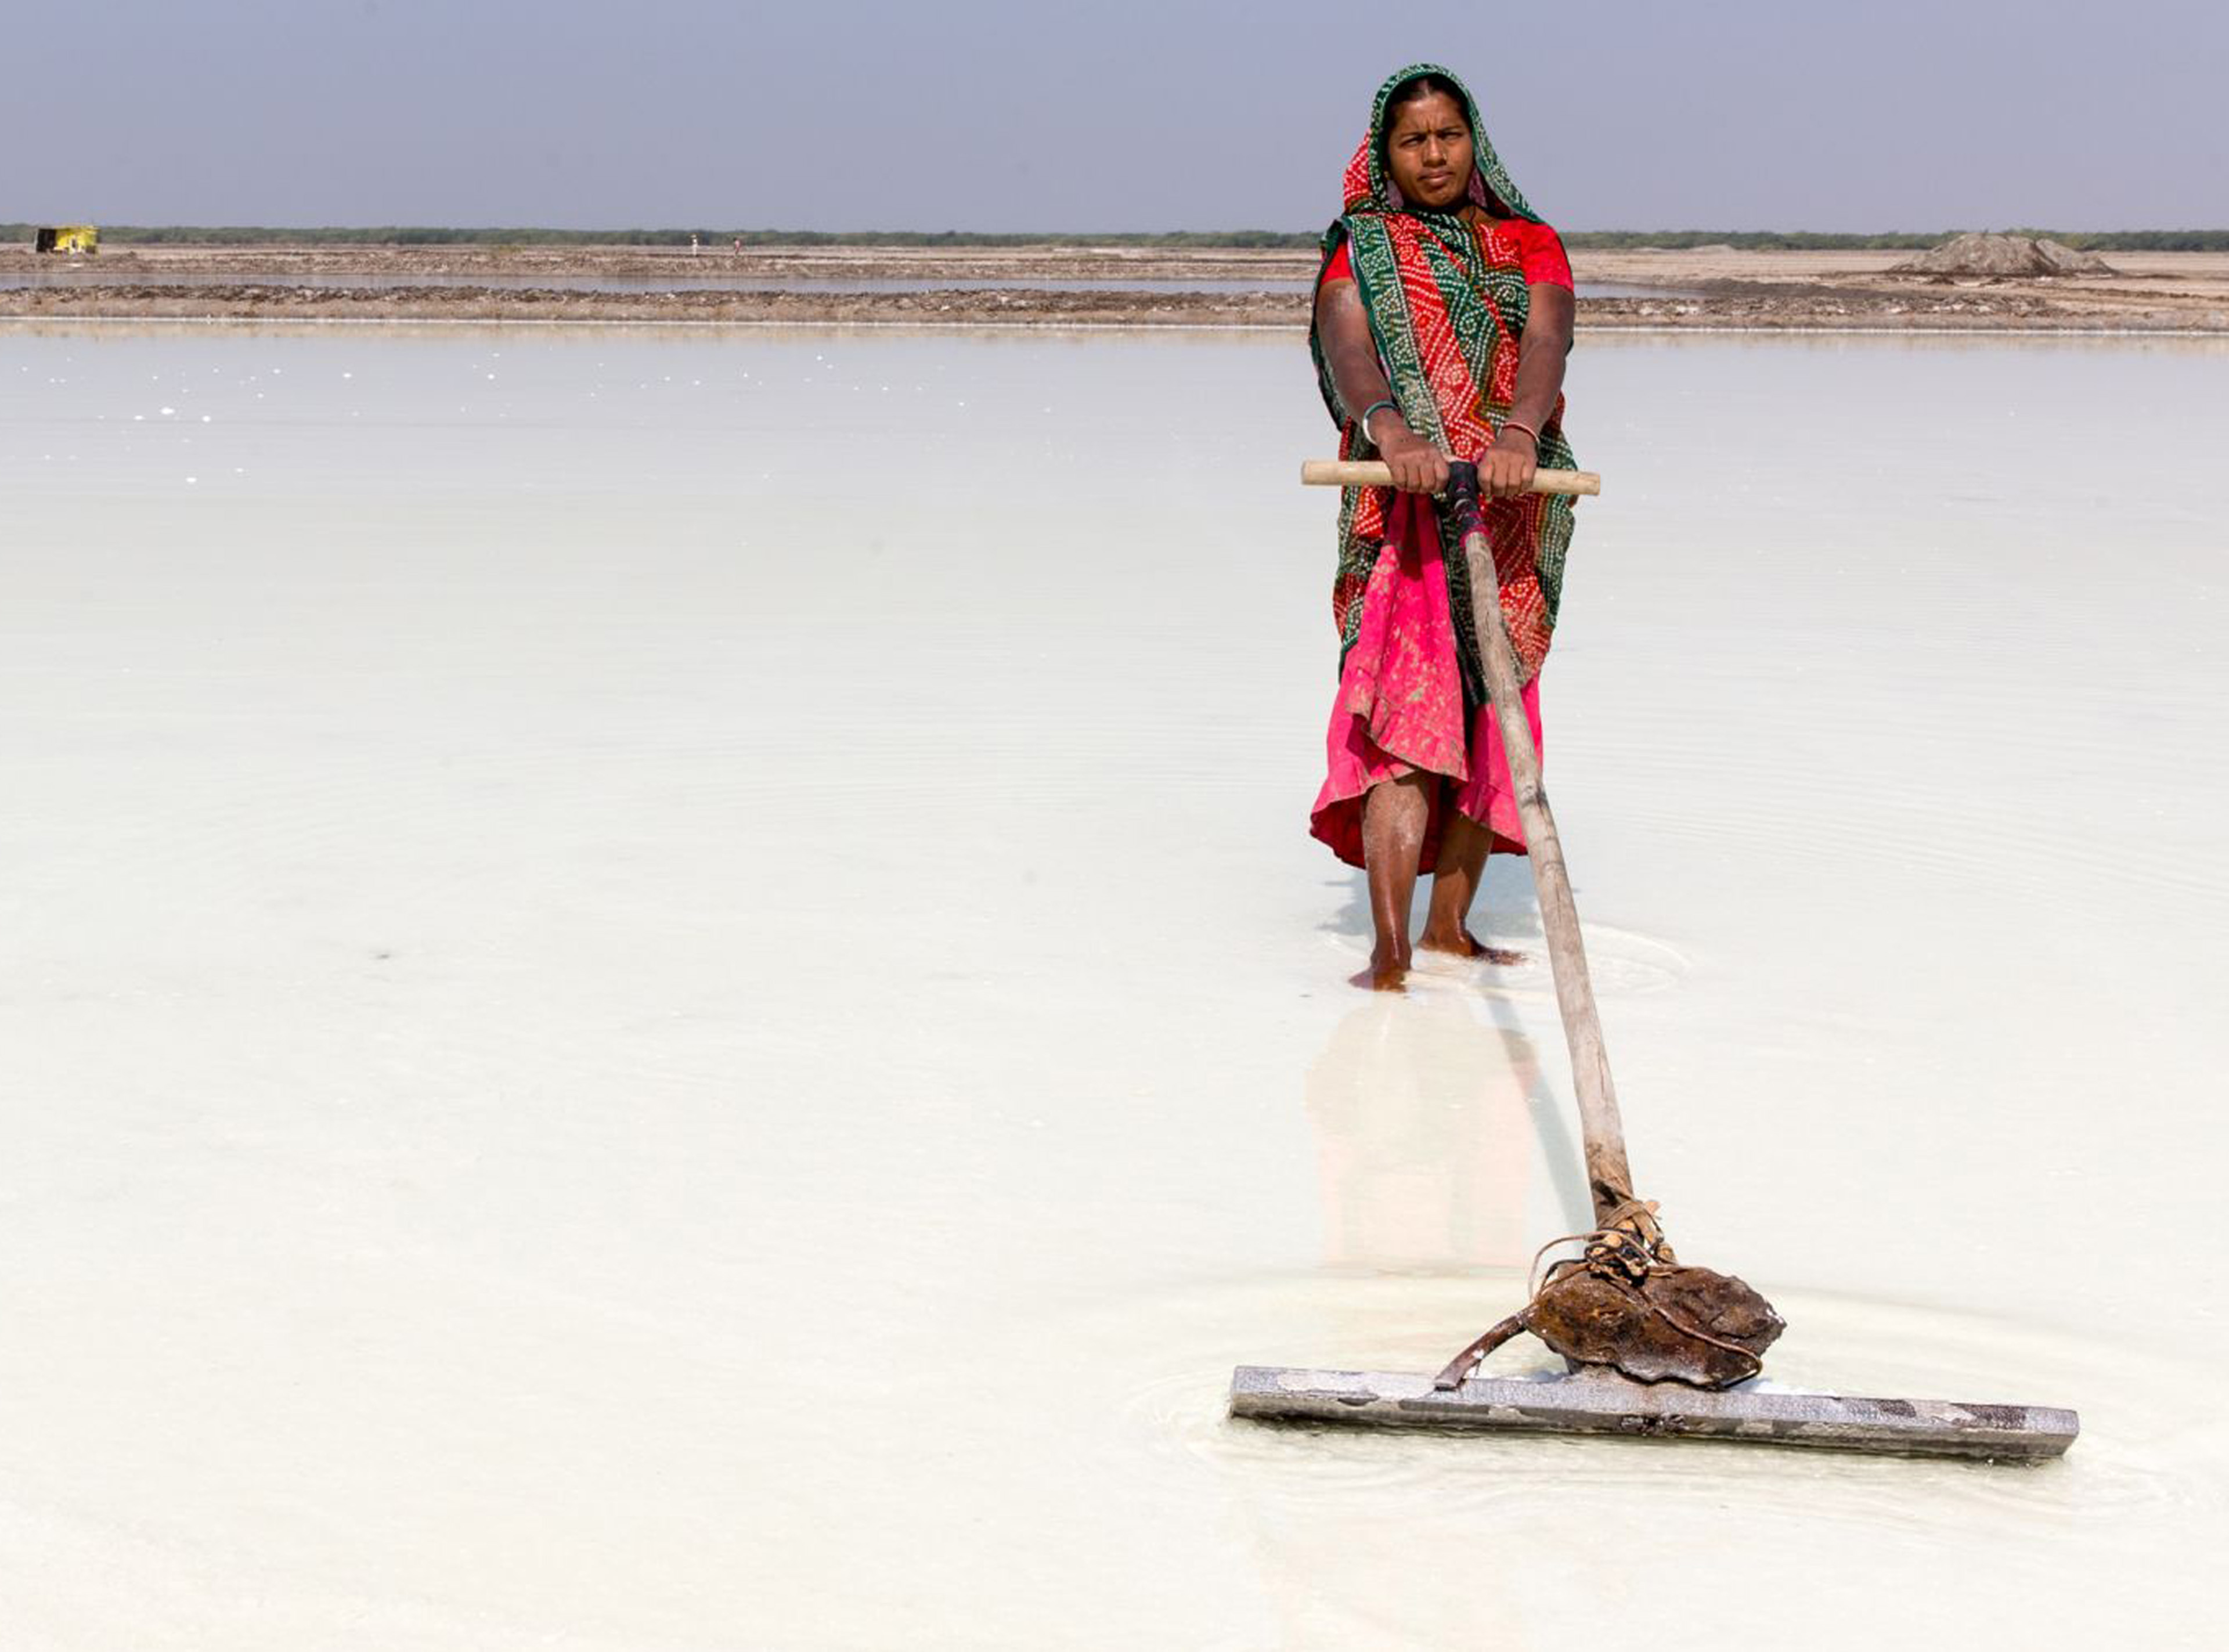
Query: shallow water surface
(667, 991)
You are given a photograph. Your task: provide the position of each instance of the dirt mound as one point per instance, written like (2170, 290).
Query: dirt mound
(2029, 255)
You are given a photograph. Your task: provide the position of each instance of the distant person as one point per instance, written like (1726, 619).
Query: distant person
(1443, 316)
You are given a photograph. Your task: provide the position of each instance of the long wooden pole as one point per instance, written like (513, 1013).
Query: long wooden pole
(1609, 1179)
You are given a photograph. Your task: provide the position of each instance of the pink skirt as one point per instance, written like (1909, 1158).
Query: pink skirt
(1400, 706)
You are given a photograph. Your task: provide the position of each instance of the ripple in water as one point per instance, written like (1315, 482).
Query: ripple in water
(1621, 964)
(2135, 1456)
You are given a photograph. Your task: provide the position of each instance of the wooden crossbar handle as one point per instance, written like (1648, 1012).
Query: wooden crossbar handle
(1368, 472)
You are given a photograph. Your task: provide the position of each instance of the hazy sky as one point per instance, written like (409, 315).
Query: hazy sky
(1155, 114)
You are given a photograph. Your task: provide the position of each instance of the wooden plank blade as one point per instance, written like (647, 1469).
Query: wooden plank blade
(1594, 1403)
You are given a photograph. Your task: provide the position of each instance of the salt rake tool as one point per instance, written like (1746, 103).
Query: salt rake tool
(1653, 1345)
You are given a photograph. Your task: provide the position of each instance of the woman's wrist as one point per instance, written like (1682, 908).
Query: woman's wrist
(1522, 428)
(1369, 414)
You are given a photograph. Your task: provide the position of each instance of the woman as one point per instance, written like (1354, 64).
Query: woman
(1442, 317)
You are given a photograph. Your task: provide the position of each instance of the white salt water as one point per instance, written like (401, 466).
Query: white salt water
(667, 990)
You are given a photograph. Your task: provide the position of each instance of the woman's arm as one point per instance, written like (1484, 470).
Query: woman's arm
(1418, 466)
(1508, 466)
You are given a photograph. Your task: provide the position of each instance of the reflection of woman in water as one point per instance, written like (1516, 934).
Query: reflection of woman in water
(1423, 1137)
(1443, 313)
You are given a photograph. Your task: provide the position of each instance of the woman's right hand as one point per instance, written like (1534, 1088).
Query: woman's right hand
(1418, 466)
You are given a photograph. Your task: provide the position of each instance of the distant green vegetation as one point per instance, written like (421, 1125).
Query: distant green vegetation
(2142, 240)
(2147, 240)
(1809, 240)
(241, 235)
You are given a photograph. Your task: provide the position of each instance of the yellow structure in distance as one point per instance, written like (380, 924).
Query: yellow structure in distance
(70, 238)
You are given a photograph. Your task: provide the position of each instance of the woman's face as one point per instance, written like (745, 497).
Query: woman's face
(1427, 150)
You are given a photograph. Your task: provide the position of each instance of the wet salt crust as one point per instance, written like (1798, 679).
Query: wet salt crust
(670, 992)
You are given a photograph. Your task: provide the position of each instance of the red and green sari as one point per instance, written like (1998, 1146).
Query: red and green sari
(1447, 306)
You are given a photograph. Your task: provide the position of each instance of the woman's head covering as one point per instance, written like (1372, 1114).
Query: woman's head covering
(1370, 187)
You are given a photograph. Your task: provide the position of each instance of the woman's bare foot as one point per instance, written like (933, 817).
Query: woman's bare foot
(1389, 972)
(1394, 816)
(1462, 942)
(1463, 849)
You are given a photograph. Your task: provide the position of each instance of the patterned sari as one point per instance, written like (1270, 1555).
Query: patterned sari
(1447, 306)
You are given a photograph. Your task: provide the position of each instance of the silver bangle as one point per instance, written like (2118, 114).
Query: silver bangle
(1363, 423)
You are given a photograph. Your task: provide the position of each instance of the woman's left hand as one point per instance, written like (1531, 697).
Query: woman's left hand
(1506, 467)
